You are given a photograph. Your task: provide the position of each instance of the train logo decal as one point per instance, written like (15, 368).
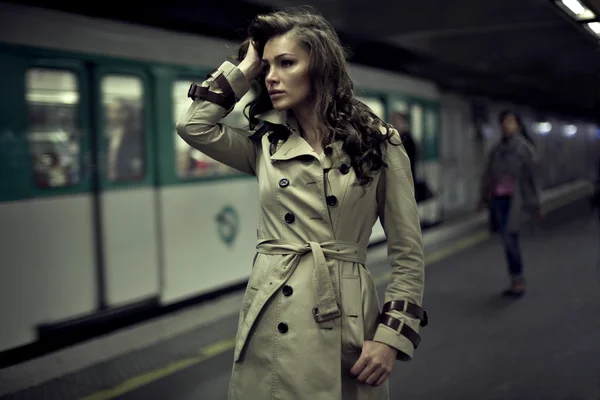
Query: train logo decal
(228, 224)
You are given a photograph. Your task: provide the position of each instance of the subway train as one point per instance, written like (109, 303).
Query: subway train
(104, 208)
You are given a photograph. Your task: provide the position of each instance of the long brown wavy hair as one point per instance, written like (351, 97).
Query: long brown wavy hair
(340, 115)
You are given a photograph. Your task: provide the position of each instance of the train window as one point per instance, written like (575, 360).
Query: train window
(192, 163)
(430, 132)
(416, 123)
(52, 102)
(400, 106)
(375, 105)
(400, 116)
(124, 130)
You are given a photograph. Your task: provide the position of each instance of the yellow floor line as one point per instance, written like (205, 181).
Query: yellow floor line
(141, 380)
(443, 253)
(224, 345)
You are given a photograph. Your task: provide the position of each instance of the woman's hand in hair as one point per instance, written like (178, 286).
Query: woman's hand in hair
(251, 64)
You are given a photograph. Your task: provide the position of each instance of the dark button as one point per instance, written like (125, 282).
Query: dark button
(289, 218)
(287, 290)
(328, 151)
(282, 327)
(331, 200)
(284, 182)
(344, 169)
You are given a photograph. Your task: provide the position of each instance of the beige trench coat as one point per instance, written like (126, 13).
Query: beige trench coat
(310, 301)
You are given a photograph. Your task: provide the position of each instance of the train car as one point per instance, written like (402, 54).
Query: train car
(105, 210)
(103, 207)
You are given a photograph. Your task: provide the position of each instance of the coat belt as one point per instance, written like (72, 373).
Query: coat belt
(327, 307)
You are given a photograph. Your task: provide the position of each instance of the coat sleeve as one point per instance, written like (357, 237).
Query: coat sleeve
(530, 164)
(213, 101)
(402, 313)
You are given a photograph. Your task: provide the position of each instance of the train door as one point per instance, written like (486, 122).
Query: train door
(420, 118)
(48, 269)
(77, 199)
(203, 198)
(126, 197)
(431, 169)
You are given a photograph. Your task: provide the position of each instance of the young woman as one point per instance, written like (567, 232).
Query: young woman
(510, 186)
(310, 325)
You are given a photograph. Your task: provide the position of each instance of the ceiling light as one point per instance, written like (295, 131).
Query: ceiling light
(594, 27)
(570, 130)
(578, 10)
(543, 128)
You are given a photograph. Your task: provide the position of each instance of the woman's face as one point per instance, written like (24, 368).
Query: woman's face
(287, 72)
(510, 126)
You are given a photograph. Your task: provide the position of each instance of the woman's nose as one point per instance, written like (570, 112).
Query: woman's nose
(271, 77)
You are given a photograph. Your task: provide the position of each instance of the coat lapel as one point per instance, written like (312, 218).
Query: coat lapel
(295, 145)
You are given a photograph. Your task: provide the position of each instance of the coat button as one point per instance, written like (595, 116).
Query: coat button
(331, 200)
(289, 218)
(328, 151)
(344, 169)
(284, 182)
(282, 327)
(287, 290)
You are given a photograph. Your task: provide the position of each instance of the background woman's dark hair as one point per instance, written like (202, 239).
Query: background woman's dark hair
(522, 126)
(340, 115)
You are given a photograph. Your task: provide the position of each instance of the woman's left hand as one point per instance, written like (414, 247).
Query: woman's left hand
(375, 363)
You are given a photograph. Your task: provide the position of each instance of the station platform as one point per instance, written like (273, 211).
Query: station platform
(478, 344)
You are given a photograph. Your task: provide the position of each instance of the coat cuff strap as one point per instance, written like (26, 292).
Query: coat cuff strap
(402, 328)
(225, 100)
(405, 306)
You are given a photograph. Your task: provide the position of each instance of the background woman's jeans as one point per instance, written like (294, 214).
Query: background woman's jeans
(500, 211)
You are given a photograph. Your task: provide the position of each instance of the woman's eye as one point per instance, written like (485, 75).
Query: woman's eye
(286, 63)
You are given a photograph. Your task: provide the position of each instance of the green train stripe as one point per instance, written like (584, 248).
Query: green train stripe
(159, 155)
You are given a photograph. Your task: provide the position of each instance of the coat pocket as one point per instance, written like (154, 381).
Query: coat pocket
(251, 287)
(352, 316)
(251, 291)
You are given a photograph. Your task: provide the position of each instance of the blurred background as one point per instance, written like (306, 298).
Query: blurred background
(124, 253)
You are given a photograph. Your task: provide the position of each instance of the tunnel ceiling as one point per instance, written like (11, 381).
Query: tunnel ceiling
(525, 51)
(522, 49)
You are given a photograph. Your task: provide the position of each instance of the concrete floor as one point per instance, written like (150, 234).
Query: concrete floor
(478, 345)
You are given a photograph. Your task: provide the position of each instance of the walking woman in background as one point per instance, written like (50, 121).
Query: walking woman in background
(310, 325)
(510, 187)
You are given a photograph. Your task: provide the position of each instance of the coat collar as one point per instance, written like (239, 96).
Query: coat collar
(295, 145)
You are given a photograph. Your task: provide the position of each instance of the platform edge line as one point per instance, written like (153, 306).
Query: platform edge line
(224, 345)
